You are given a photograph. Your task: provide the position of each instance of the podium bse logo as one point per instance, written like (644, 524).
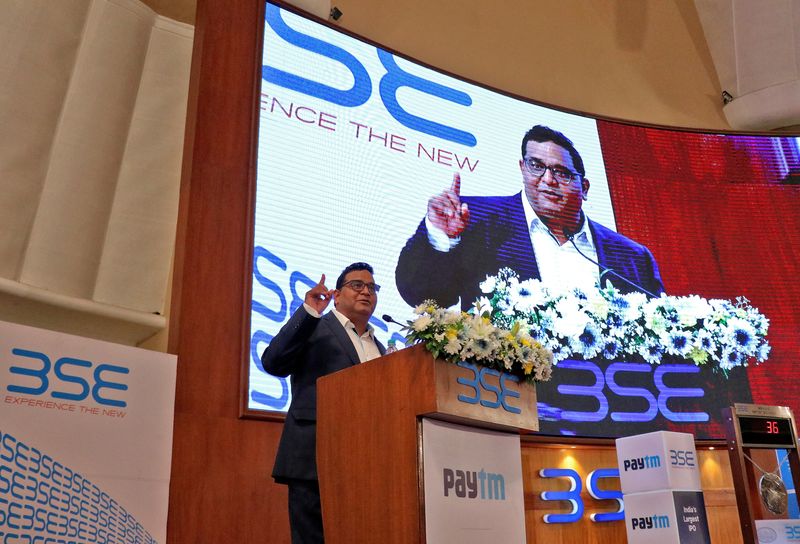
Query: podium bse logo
(485, 391)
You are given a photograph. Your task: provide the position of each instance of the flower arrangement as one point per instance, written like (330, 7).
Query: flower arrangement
(604, 323)
(460, 336)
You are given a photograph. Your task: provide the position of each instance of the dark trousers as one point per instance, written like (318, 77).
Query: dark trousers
(305, 512)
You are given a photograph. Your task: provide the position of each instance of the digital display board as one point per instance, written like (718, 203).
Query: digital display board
(354, 141)
(766, 431)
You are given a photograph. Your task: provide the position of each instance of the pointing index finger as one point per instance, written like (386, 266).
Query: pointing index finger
(456, 187)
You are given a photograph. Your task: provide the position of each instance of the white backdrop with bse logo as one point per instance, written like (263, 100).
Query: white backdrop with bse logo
(85, 438)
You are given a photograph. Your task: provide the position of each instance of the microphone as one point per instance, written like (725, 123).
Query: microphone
(390, 319)
(604, 270)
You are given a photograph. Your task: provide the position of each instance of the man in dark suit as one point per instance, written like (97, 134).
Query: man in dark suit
(309, 346)
(540, 233)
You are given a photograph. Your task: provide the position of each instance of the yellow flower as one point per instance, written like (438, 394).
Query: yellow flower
(698, 356)
(527, 367)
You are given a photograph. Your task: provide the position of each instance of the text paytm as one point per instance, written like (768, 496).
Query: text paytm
(469, 484)
(641, 463)
(651, 522)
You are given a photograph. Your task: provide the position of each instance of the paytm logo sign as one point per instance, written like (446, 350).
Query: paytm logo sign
(652, 522)
(641, 463)
(392, 83)
(469, 484)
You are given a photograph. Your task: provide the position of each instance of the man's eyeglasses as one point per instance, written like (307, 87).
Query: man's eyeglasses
(358, 285)
(538, 168)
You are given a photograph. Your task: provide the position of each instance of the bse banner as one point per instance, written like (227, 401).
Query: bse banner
(473, 485)
(85, 439)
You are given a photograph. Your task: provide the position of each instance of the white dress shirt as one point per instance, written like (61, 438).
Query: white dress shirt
(560, 266)
(365, 344)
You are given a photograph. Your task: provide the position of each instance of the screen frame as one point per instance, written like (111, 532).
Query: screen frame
(244, 410)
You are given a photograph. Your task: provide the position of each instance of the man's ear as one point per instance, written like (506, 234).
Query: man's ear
(585, 188)
(335, 296)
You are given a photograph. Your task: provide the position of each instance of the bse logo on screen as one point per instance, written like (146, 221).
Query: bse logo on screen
(471, 484)
(391, 83)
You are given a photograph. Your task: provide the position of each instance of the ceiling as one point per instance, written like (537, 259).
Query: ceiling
(184, 11)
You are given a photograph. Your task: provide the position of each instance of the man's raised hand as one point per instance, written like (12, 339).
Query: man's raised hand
(447, 212)
(319, 296)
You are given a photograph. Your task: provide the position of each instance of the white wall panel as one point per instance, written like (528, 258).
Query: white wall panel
(69, 231)
(92, 114)
(755, 45)
(39, 41)
(132, 274)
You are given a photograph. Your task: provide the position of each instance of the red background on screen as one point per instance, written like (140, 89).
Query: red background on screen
(713, 212)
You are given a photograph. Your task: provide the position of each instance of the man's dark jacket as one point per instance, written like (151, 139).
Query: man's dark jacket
(498, 236)
(306, 348)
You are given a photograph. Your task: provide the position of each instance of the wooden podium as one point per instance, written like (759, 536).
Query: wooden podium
(369, 443)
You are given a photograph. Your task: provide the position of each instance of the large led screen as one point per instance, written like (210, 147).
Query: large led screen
(355, 140)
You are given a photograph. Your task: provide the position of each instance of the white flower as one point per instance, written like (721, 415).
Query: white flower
(634, 309)
(527, 295)
(597, 304)
(691, 309)
(704, 341)
(653, 317)
(488, 285)
(421, 323)
(483, 305)
(451, 316)
(741, 335)
(453, 346)
(677, 342)
(588, 342)
(572, 320)
(651, 351)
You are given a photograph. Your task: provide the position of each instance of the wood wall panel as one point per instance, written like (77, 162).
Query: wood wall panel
(221, 489)
(715, 479)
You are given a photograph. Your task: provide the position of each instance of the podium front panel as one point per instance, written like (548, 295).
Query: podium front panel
(484, 397)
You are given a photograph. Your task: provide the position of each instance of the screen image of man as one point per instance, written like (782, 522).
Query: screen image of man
(309, 346)
(541, 232)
